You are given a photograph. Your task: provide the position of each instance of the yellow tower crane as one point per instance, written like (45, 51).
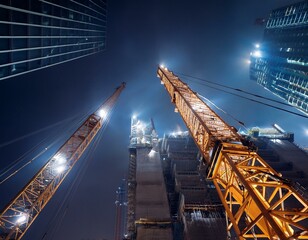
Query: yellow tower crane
(259, 203)
(20, 213)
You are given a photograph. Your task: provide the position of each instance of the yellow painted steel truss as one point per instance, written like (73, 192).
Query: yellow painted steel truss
(259, 203)
(20, 213)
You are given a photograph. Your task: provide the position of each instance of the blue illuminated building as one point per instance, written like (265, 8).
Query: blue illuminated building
(280, 62)
(36, 34)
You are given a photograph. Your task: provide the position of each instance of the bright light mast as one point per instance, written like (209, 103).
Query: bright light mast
(20, 213)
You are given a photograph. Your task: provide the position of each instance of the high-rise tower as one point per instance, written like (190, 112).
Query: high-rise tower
(148, 214)
(197, 213)
(280, 63)
(36, 34)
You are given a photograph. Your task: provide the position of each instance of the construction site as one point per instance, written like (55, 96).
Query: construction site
(205, 183)
(170, 188)
(168, 195)
(217, 174)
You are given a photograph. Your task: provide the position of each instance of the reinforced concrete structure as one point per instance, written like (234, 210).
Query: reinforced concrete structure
(276, 145)
(280, 62)
(36, 34)
(148, 210)
(195, 208)
(188, 206)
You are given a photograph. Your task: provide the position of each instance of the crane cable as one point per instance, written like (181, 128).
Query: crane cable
(239, 90)
(35, 132)
(81, 118)
(23, 166)
(235, 119)
(45, 149)
(10, 167)
(250, 99)
(52, 227)
(19, 159)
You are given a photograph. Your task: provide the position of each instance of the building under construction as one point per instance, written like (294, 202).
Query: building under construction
(276, 145)
(148, 209)
(168, 197)
(255, 200)
(196, 210)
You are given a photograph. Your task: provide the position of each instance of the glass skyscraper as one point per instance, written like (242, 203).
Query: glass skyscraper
(280, 62)
(36, 34)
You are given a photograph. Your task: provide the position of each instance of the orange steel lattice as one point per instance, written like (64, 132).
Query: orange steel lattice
(20, 213)
(259, 203)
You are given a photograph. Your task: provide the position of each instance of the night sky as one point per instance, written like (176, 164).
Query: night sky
(207, 39)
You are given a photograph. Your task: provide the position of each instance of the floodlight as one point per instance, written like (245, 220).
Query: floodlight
(60, 159)
(21, 218)
(152, 153)
(60, 169)
(257, 54)
(102, 113)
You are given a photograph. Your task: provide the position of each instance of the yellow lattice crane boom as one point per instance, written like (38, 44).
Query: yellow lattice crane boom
(20, 213)
(259, 203)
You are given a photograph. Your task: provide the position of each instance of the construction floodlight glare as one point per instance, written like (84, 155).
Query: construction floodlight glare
(102, 113)
(21, 219)
(60, 169)
(257, 53)
(140, 126)
(60, 159)
(163, 66)
(151, 153)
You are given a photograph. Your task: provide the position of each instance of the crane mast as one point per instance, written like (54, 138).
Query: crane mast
(259, 203)
(20, 213)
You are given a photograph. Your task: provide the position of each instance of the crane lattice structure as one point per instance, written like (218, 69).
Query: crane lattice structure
(259, 203)
(20, 213)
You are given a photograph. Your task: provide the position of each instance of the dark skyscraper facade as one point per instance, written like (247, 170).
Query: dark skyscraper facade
(36, 34)
(280, 62)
